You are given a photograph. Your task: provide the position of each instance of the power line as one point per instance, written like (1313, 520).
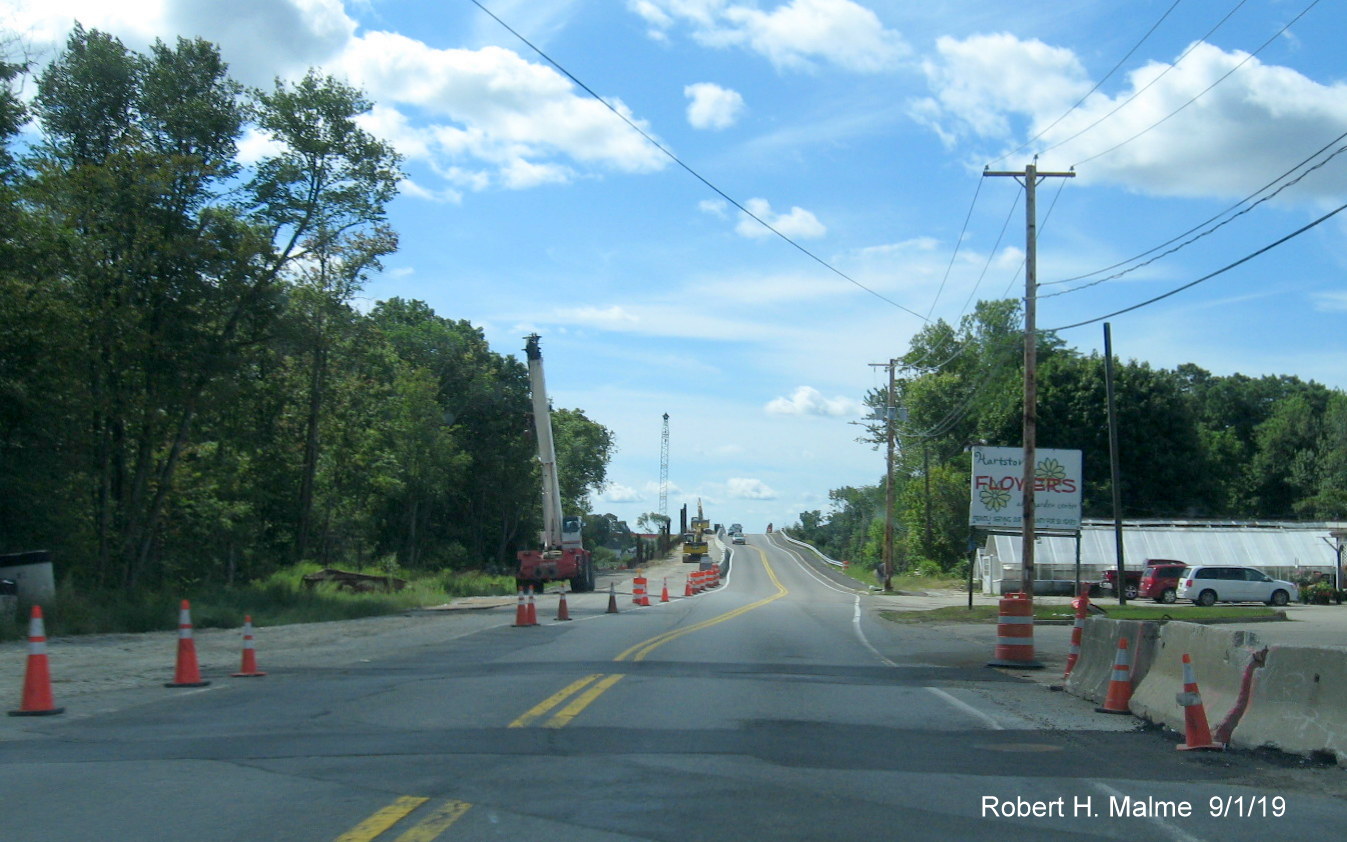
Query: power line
(1205, 90)
(958, 244)
(1220, 271)
(1120, 106)
(1213, 229)
(672, 157)
(1097, 85)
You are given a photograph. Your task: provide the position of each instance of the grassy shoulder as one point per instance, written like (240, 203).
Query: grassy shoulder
(281, 599)
(990, 613)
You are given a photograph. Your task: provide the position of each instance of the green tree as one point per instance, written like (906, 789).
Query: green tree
(584, 449)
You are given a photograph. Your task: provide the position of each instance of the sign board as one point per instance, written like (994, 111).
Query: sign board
(997, 499)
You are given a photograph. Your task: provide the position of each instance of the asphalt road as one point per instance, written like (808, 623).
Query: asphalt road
(776, 707)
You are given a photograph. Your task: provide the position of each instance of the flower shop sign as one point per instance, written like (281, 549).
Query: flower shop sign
(998, 488)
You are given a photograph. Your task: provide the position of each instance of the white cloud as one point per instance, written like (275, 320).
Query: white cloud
(740, 488)
(1214, 124)
(712, 107)
(806, 400)
(514, 123)
(610, 318)
(261, 39)
(476, 118)
(714, 207)
(796, 34)
(981, 81)
(798, 223)
(619, 493)
(1331, 302)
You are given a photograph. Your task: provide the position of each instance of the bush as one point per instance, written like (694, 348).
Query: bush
(1320, 593)
(279, 599)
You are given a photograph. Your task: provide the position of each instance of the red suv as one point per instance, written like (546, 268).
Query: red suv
(1161, 580)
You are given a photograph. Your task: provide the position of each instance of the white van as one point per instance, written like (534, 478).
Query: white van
(1210, 584)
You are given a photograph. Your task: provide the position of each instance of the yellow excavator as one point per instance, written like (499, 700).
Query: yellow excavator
(694, 542)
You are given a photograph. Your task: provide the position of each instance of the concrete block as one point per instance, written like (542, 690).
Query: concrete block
(1297, 702)
(1219, 655)
(1099, 648)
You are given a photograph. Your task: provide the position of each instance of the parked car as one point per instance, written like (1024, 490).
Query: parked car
(1161, 582)
(1210, 584)
(1132, 578)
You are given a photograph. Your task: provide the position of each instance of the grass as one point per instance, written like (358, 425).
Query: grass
(990, 613)
(865, 575)
(280, 599)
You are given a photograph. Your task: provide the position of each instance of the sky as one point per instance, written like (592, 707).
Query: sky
(772, 196)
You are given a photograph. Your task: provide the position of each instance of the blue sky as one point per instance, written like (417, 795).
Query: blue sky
(859, 130)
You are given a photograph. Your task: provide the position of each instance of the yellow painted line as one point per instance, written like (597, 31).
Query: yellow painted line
(644, 648)
(436, 823)
(382, 820)
(635, 653)
(553, 700)
(566, 714)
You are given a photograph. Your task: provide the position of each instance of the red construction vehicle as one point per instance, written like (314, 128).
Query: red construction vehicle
(563, 556)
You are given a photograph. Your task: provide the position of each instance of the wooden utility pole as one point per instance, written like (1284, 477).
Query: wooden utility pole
(890, 413)
(1115, 474)
(1031, 176)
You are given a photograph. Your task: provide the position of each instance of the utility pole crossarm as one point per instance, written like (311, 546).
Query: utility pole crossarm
(1031, 177)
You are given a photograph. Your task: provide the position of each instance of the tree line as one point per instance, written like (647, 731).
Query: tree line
(188, 391)
(1191, 444)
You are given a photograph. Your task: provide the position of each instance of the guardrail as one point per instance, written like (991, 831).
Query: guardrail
(815, 550)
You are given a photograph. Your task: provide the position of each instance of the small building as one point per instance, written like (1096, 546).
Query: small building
(1278, 548)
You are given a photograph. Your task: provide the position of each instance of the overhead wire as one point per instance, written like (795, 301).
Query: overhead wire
(1202, 93)
(1207, 277)
(1097, 85)
(1214, 228)
(688, 169)
(1120, 106)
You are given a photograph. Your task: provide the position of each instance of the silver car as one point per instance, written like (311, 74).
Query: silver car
(1210, 584)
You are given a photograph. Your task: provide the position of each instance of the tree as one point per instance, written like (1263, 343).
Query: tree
(584, 449)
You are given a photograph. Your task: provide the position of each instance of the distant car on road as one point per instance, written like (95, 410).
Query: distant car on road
(1210, 584)
(738, 538)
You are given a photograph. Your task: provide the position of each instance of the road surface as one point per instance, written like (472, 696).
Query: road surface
(775, 707)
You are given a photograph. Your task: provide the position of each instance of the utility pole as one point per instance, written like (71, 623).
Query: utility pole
(664, 486)
(1031, 176)
(890, 413)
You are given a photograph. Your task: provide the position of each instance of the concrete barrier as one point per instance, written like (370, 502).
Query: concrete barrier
(1297, 702)
(1098, 648)
(1219, 655)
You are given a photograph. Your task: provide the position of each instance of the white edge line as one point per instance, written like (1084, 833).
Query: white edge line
(967, 708)
(860, 634)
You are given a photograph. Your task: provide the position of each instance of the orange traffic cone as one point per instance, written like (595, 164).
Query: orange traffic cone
(37, 699)
(248, 669)
(531, 609)
(1082, 606)
(687, 589)
(1197, 734)
(612, 600)
(521, 612)
(563, 613)
(187, 673)
(1120, 683)
(664, 592)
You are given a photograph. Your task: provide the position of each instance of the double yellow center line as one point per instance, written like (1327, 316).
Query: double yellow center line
(584, 691)
(425, 830)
